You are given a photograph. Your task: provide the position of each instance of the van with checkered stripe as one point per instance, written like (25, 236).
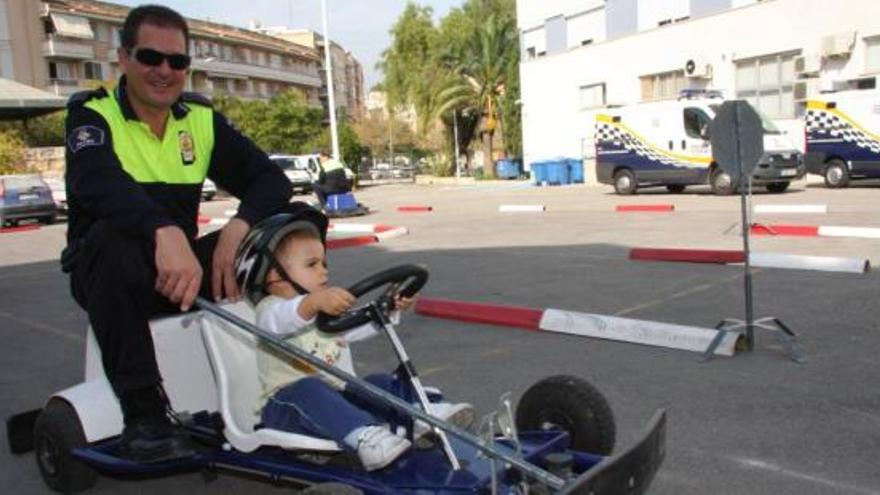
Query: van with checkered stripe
(666, 144)
(842, 132)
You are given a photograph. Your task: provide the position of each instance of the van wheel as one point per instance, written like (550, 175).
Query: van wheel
(675, 188)
(836, 174)
(777, 187)
(625, 182)
(722, 183)
(57, 432)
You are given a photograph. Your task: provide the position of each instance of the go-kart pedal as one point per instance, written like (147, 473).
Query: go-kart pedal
(460, 414)
(153, 441)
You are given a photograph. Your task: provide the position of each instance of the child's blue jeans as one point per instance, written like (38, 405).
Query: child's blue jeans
(312, 407)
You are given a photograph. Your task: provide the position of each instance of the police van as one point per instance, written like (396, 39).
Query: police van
(667, 144)
(843, 136)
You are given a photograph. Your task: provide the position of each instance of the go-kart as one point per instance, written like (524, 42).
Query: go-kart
(558, 441)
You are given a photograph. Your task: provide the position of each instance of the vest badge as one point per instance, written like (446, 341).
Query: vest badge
(187, 147)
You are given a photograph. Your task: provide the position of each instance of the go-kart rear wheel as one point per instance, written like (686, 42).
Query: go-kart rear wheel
(57, 432)
(572, 404)
(331, 489)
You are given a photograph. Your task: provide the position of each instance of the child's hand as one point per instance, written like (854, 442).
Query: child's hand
(332, 300)
(403, 303)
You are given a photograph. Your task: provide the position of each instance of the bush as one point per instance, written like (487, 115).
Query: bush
(439, 167)
(11, 152)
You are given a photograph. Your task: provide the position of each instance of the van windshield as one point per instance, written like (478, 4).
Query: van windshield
(769, 126)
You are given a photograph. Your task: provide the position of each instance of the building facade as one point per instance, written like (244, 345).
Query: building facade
(580, 57)
(64, 46)
(348, 74)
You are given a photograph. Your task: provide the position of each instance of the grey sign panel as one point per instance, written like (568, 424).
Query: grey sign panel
(737, 136)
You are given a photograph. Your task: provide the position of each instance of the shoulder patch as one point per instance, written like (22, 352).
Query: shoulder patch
(190, 97)
(85, 136)
(81, 97)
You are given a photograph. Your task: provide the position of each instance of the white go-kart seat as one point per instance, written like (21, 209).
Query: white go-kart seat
(233, 356)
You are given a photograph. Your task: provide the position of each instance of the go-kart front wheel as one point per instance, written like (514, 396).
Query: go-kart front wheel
(571, 404)
(57, 432)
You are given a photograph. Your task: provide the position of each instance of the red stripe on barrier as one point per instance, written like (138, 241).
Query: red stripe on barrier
(378, 229)
(21, 228)
(687, 255)
(414, 208)
(790, 230)
(203, 219)
(624, 208)
(490, 314)
(362, 240)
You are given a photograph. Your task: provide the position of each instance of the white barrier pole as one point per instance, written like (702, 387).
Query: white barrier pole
(820, 263)
(521, 208)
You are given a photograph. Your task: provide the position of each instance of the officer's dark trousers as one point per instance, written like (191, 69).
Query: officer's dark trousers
(114, 279)
(334, 182)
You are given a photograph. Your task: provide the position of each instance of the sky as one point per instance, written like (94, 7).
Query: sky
(360, 26)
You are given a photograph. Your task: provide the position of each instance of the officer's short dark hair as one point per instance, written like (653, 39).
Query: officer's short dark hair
(157, 15)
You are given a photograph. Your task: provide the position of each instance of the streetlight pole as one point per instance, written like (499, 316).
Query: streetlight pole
(455, 136)
(331, 100)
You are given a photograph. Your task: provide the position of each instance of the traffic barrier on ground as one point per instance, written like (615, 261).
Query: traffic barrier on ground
(18, 228)
(759, 260)
(414, 208)
(642, 208)
(582, 324)
(779, 208)
(687, 255)
(347, 242)
(521, 208)
(816, 231)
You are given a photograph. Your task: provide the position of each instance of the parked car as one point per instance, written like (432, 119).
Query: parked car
(842, 132)
(667, 144)
(24, 197)
(59, 193)
(297, 171)
(209, 189)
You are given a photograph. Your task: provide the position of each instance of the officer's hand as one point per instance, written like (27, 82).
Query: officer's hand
(222, 270)
(179, 272)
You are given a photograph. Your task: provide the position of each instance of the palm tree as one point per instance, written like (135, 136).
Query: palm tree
(483, 64)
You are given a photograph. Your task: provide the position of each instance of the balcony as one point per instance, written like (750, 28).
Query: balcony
(237, 70)
(61, 48)
(63, 87)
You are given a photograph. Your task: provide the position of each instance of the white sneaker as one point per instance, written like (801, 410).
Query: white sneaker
(460, 414)
(377, 447)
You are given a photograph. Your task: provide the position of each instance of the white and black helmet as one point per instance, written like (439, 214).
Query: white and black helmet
(255, 255)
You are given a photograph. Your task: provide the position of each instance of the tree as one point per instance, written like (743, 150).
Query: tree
(46, 130)
(11, 152)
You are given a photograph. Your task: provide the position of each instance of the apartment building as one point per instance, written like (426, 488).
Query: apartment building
(348, 74)
(64, 46)
(580, 57)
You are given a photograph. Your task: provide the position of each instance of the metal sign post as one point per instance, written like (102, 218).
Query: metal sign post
(737, 136)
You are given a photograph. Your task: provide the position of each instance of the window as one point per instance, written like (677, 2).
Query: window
(93, 70)
(61, 72)
(768, 84)
(586, 27)
(872, 54)
(662, 85)
(696, 123)
(592, 95)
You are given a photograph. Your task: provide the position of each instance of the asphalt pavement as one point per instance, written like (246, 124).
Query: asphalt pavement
(756, 423)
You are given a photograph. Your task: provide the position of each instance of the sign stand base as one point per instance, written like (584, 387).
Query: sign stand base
(784, 335)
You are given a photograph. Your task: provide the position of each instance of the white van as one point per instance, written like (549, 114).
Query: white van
(843, 136)
(667, 144)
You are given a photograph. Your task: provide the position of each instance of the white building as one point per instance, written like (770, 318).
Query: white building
(581, 56)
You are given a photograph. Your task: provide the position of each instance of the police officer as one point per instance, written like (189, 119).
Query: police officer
(331, 178)
(136, 160)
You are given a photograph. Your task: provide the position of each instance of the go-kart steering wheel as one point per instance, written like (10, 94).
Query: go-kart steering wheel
(404, 280)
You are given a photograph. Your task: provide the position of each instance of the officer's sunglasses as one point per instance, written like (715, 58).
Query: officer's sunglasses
(154, 58)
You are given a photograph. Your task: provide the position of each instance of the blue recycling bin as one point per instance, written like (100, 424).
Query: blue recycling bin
(576, 170)
(558, 173)
(508, 169)
(539, 173)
